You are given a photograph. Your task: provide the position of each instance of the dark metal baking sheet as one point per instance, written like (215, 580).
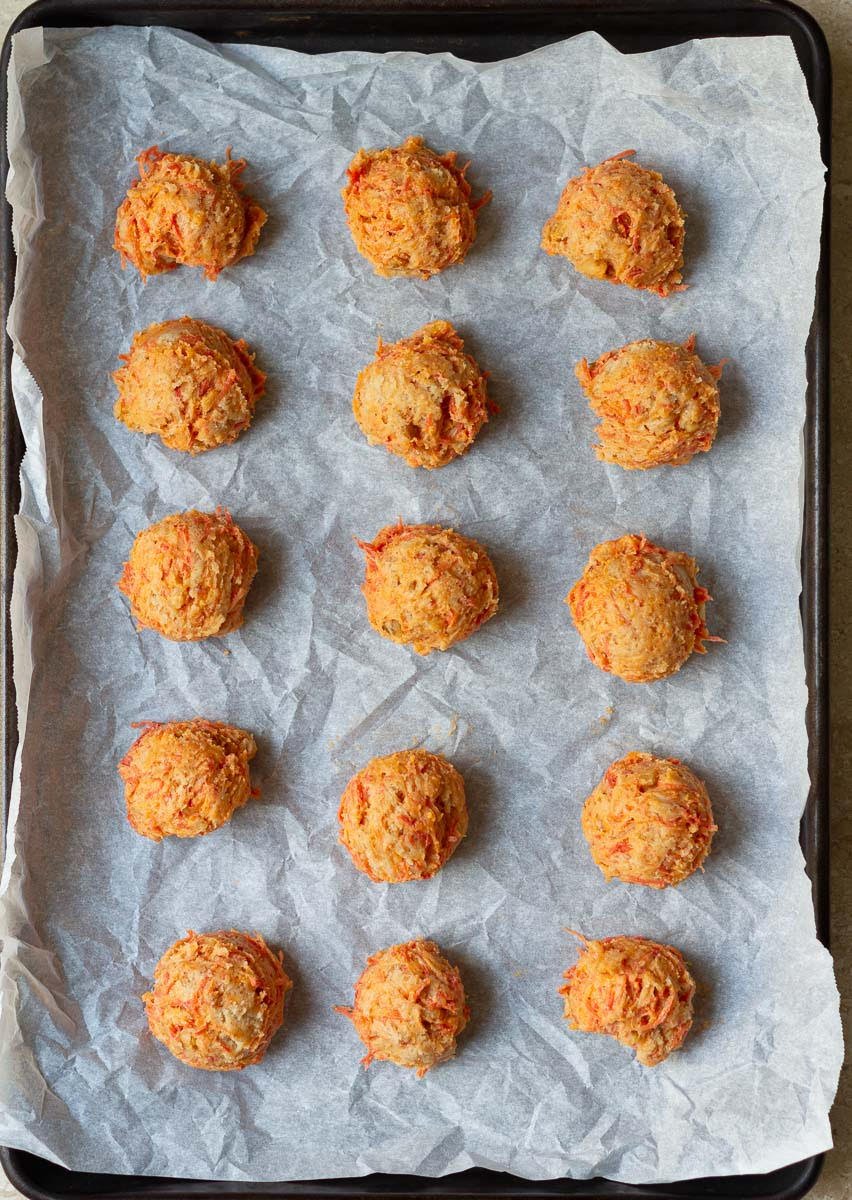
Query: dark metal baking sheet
(482, 30)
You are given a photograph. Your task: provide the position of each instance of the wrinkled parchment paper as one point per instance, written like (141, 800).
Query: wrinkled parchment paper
(88, 907)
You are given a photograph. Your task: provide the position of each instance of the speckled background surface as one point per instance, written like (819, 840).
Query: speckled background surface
(835, 16)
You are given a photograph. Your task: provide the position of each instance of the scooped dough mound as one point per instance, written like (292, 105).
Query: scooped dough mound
(648, 821)
(185, 211)
(621, 222)
(188, 576)
(186, 778)
(189, 383)
(409, 209)
(409, 1007)
(639, 609)
(635, 990)
(658, 403)
(426, 586)
(403, 815)
(218, 999)
(422, 398)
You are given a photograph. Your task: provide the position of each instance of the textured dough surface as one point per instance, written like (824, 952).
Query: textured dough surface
(657, 401)
(186, 778)
(621, 222)
(402, 816)
(217, 999)
(409, 209)
(188, 576)
(639, 609)
(185, 211)
(189, 383)
(409, 1007)
(426, 586)
(648, 821)
(635, 990)
(422, 398)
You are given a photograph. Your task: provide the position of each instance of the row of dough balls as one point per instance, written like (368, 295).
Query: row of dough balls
(638, 607)
(410, 212)
(422, 398)
(218, 1000)
(649, 821)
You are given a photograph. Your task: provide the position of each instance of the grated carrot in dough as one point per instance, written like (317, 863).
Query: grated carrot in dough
(657, 401)
(218, 999)
(187, 577)
(422, 398)
(649, 821)
(426, 586)
(402, 816)
(189, 383)
(639, 609)
(409, 209)
(409, 1007)
(620, 222)
(185, 211)
(635, 990)
(186, 778)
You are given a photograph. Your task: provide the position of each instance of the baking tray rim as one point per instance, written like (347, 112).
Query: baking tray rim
(814, 548)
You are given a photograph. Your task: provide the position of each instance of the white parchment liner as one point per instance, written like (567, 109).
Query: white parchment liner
(88, 907)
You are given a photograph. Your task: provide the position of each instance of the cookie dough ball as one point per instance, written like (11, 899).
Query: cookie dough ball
(648, 821)
(639, 609)
(635, 990)
(188, 576)
(186, 778)
(427, 587)
(658, 403)
(410, 210)
(403, 815)
(409, 1007)
(621, 222)
(422, 398)
(188, 382)
(183, 210)
(218, 999)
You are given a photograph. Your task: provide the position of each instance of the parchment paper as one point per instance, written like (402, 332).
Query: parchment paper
(88, 906)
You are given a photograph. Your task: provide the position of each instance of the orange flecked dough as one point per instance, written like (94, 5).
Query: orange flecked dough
(639, 609)
(186, 211)
(422, 398)
(188, 576)
(186, 778)
(658, 403)
(188, 382)
(217, 999)
(409, 1007)
(426, 586)
(409, 209)
(635, 990)
(621, 222)
(648, 821)
(402, 816)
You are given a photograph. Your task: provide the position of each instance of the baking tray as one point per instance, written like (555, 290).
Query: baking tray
(482, 30)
